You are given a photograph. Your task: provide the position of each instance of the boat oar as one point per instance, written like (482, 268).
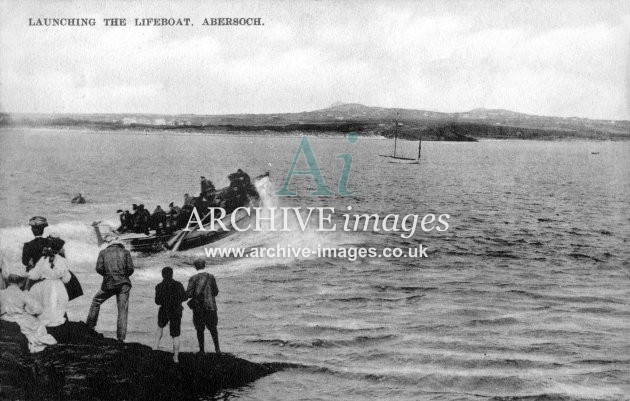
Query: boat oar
(176, 240)
(179, 241)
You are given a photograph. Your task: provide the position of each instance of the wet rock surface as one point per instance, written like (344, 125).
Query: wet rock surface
(90, 367)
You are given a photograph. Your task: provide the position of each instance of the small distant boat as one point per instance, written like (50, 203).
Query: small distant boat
(180, 240)
(399, 159)
(594, 153)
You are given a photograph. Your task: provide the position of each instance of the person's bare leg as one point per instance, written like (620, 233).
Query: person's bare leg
(176, 349)
(200, 341)
(158, 337)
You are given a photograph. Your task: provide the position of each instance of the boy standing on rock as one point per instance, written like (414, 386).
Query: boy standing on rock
(202, 288)
(169, 294)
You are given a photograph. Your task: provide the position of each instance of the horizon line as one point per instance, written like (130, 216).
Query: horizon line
(332, 106)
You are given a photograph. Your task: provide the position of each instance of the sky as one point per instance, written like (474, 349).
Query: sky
(560, 58)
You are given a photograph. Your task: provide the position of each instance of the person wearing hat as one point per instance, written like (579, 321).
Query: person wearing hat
(125, 218)
(145, 222)
(132, 217)
(128, 220)
(115, 265)
(158, 220)
(32, 250)
(141, 220)
(173, 217)
(207, 187)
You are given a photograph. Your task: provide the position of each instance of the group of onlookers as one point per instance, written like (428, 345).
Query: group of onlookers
(36, 294)
(202, 290)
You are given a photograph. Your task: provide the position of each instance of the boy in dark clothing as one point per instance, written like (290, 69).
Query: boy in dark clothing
(202, 289)
(169, 294)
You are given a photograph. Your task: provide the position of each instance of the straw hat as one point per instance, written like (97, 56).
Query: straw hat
(38, 221)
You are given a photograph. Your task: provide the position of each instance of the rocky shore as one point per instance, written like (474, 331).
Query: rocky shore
(91, 367)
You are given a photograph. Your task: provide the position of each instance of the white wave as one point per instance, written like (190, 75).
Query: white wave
(81, 248)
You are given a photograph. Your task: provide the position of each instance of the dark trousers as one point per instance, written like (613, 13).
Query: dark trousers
(203, 318)
(122, 299)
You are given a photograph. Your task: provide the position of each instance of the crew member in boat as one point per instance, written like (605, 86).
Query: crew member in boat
(243, 184)
(243, 178)
(204, 204)
(158, 220)
(128, 220)
(207, 188)
(187, 199)
(131, 224)
(142, 220)
(184, 216)
(136, 218)
(124, 220)
(146, 219)
(238, 192)
(172, 222)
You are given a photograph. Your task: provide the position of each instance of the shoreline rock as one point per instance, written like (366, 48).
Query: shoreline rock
(91, 367)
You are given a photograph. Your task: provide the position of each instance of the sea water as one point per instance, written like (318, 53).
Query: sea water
(526, 294)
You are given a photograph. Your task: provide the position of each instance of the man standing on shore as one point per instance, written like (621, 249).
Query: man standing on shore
(115, 265)
(202, 288)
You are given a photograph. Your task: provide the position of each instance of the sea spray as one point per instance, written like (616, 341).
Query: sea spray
(81, 248)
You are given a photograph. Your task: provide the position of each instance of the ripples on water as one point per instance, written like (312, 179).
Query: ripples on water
(525, 297)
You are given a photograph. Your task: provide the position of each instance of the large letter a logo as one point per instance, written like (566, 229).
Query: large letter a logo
(322, 189)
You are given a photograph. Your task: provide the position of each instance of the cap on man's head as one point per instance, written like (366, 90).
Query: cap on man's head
(38, 221)
(203, 178)
(134, 206)
(170, 204)
(119, 211)
(199, 263)
(116, 241)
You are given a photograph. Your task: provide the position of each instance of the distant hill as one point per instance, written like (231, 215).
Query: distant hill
(347, 117)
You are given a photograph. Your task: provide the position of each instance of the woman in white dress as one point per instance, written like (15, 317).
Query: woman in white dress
(19, 307)
(50, 274)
